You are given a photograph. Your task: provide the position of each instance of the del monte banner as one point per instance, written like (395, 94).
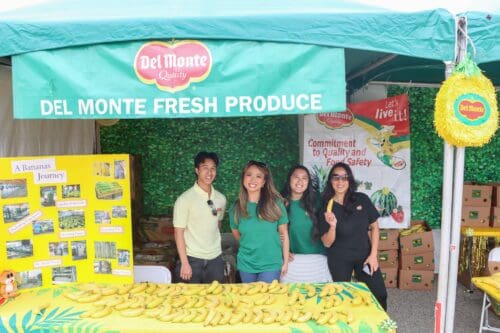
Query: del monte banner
(178, 79)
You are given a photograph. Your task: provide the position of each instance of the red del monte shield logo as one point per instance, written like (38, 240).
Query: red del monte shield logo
(336, 120)
(173, 66)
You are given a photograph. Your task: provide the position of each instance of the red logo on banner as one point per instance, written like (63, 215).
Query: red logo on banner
(336, 119)
(172, 67)
(471, 110)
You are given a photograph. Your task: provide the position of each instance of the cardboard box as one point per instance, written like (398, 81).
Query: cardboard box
(388, 258)
(390, 276)
(496, 196)
(416, 280)
(420, 261)
(475, 216)
(418, 242)
(477, 195)
(388, 239)
(495, 217)
(157, 229)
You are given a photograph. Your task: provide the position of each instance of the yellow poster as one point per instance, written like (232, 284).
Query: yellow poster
(66, 219)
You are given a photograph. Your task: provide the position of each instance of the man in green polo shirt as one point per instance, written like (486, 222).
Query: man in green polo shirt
(198, 214)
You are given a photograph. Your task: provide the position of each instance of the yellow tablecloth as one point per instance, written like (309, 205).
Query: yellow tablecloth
(61, 314)
(489, 284)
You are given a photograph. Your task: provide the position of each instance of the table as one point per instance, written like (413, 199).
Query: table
(474, 252)
(291, 307)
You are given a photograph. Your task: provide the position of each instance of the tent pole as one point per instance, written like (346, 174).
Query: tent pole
(440, 306)
(458, 185)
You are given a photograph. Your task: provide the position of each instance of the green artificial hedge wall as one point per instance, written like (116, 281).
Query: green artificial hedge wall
(167, 148)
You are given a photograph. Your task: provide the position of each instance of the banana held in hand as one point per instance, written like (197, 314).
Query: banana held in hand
(329, 207)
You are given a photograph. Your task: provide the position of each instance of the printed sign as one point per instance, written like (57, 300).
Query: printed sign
(53, 229)
(373, 138)
(178, 79)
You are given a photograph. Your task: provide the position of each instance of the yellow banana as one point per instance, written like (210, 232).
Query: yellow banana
(349, 316)
(356, 300)
(254, 290)
(287, 316)
(212, 286)
(226, 316)
(132, 312)
(74, 296)
(192, 313)
(154, 313)
(125, 289)
(200, 302)
(274, 284)
(154, 303)
(89, 298)
(258, 316)
(109, 291)
(329, 206)
(167, 317)
(138, 288)
(179, 302)
(333, 318)
(102, 313)
(261, 300)
(304, 317)
(237, 318)
(244, 288)
(325, 290)
(190, 302)
(124, 305)
(311, 290)
(270, 317)
(248, 301)
(218, 290)
(270, 299)
(201, 315)
(210, 316)
(264, 287)
(151, 288)
(301, 298)
(181, 314)
(193, 290)
(323, 319)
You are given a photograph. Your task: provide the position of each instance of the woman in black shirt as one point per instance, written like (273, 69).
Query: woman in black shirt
(346, 220)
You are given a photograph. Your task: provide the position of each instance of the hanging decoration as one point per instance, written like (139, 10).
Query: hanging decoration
(466, 113)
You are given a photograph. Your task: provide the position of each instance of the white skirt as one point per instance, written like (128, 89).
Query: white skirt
(311, 268)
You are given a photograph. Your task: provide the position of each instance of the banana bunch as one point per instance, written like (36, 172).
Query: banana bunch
(416, 228)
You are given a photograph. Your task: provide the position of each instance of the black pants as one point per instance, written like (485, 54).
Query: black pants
(204, 271)
(341, 269)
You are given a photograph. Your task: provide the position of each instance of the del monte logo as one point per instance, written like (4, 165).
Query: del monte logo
(173, 66)
(472, 109)
(335, 120)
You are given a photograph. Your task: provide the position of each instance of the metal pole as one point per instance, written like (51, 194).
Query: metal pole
(455, 238)
(458, 185)
(440, 306)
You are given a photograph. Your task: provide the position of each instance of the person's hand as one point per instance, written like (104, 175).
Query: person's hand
(284, 270)
(331, 219)
(373, 262)
(290, 257)
(186, 272)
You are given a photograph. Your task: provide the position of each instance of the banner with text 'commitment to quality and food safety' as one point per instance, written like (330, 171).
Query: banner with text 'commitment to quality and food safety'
(178, 79)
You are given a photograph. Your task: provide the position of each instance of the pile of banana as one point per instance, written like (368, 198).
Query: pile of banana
(223, 304)
(416, 228)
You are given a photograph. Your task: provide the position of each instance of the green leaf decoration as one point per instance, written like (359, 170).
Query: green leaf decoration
(347, 293)
(2, 326)
(26, 318)
(364, 327)
(318, 328)
(13, 324)
(296, 330)
(344, 328)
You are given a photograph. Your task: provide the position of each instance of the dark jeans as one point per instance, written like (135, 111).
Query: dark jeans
(341, 269)
(204, 271)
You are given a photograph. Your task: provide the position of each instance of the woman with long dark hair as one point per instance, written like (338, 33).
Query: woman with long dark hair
(350, 232)
(258, 219)
(307, 254)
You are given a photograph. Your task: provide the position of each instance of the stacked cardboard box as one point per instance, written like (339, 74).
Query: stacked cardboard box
(416, 266)
(495, 207)
(476, 205)
(388, 256)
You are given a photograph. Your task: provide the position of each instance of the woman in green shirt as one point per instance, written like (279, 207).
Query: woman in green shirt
(308, 262)
(258, 219)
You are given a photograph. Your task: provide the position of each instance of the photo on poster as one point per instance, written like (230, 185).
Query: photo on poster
(120, 169)
(119, 211)
(43, 227)
(71, 219)
(15, 212)
(29, 279)
(102, 267)
(79, 250)
(48, 196)
(102, 169)
(123, 257)
(58, 248)
(70, 191)
(108, 191)
(13, 188)
(19, 249)
(105, 250)
(102, 217)
(63, 274)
